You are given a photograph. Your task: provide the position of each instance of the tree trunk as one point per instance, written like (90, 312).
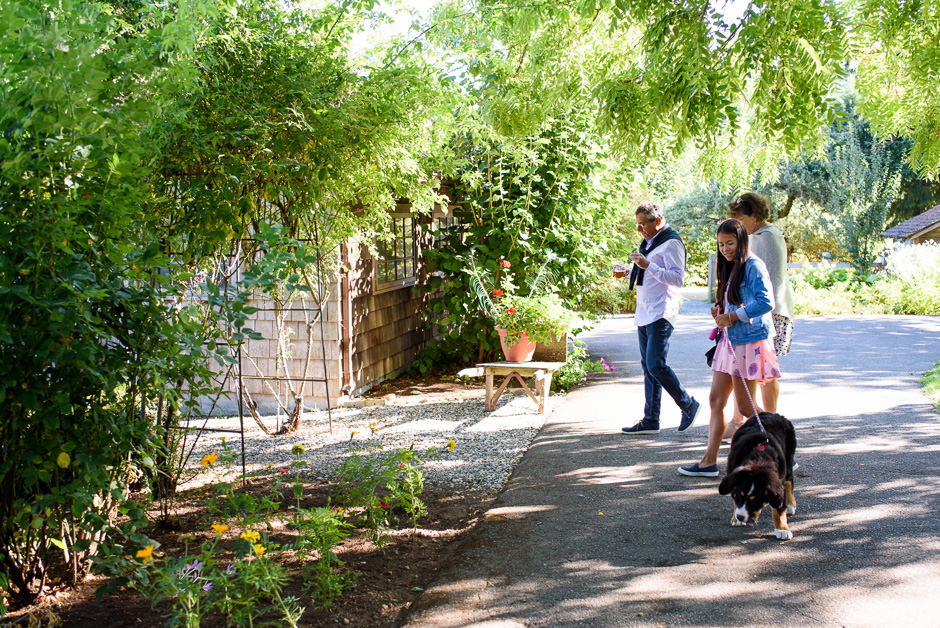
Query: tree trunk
(787, 207)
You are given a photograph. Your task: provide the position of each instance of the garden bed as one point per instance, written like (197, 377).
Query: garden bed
(390, 578)
(421, 414)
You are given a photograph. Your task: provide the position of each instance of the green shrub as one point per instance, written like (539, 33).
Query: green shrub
(696, 264)
(242, 588)
(320, 531)
(608, 296)
(576, 369)
(377, 485)
(85, 328)
(911, 285)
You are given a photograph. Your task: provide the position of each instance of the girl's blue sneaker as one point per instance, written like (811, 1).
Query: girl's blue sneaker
(711, 471)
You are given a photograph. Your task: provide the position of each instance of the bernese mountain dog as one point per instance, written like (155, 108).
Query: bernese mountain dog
(760, 471)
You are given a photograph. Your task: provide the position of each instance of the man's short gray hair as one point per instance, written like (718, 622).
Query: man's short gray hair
(650, 210)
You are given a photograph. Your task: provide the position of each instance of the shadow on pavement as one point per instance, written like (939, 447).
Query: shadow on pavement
(598, 528)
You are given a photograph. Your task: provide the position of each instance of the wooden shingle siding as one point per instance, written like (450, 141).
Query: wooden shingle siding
(388, 324)
(388, 327)
(264, 358)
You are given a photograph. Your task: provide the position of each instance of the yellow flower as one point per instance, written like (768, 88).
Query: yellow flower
(145, 554)
(219, 528)
(251, 536)
(259, 548)
(63, 460)
(298, 450)
(209, 459)
(451, 444)
(372, 427)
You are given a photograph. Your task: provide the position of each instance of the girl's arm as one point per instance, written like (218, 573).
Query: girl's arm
(760, 291)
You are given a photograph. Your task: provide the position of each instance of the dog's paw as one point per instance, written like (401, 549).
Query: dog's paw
(791, 510)
(783, 535)
(737, 522)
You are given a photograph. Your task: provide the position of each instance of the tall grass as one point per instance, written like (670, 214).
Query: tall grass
(931, 384)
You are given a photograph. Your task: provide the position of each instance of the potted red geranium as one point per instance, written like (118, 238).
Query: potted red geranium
(522, 320)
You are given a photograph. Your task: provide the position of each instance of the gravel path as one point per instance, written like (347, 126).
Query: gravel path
(487, 444)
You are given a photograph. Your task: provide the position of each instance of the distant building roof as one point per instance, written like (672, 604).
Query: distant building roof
(917, 224)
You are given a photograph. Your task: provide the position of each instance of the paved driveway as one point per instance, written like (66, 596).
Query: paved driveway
(596, 528)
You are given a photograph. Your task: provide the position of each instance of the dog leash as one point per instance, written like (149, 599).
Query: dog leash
(749, 397)
(744, 381)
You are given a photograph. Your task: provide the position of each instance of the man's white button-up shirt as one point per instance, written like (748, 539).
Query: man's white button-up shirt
(658, 297)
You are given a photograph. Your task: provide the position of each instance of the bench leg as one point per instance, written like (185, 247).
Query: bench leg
(490, 402)
(546, 385)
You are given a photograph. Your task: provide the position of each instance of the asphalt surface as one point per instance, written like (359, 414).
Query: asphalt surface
(597, 528)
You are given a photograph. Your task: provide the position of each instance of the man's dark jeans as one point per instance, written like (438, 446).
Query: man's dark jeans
(654, 345)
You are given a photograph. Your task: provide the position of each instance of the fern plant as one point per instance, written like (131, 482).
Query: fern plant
(539, 313)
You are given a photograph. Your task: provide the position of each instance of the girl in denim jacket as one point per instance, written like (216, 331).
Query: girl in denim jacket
(745, 354)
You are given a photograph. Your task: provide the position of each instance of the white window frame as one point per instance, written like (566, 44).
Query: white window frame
(400, 243)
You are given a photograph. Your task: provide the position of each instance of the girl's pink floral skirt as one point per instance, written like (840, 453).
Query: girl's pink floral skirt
(753, 360)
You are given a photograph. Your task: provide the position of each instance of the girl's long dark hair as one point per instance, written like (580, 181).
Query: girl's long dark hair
(731, 274)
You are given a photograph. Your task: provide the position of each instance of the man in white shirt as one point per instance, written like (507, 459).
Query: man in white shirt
(658, 272)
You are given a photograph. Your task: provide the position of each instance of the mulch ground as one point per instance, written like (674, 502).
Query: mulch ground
(390, 579)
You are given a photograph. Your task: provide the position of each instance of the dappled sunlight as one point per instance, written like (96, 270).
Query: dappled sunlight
(870, 444)
(445, 464)
(424, 425)
(834, 491)
(497, 423)
(632, 542)
(607, 475)
(706, 488)
(893, 604)
(875, 512)
(517, 512)
(912, 487)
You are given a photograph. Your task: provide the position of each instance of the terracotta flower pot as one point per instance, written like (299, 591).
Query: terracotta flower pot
(522, 351)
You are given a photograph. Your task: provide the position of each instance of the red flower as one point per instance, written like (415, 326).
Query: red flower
(497, 293)
(511, 310)
(283, 470)
(505, 264)
(384, 504)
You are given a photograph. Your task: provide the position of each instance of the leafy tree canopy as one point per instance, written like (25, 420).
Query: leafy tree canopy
(897, 49)
(280, 126)
(655, 75)
(667, 75)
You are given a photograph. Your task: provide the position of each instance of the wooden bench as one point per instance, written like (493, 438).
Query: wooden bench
(548, 358)
(540, 372)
